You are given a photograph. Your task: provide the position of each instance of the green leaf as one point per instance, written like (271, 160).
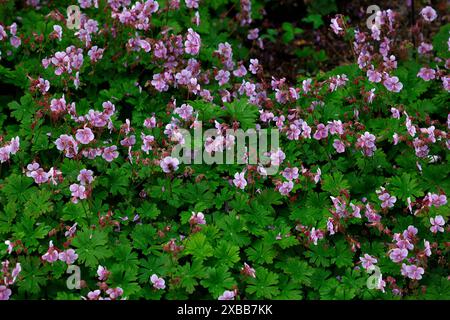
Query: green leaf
(226, 253)
(334, 183)
(265, 285)
(189, 274)
(405, 186)
(342, 256)
(92, 247)
(7, 217)
(299, 271)
(315, 19)
(218, 280)
(38, 204)
(29, 232)
(32, 276)
(23, 111)
(261, 252)
(148, 210)
(243, 112)
(17, 188)
(198, 246)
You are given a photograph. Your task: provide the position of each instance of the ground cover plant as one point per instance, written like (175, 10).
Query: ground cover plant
(95, 97)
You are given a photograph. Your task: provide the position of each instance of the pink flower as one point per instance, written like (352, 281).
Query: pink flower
(58, 105)
(39, 176)
(158, 283)
(446, 83)
(69, 256)
(371, 95)
(84, 136)
(78, 192)
(427, 74)
(435, 199)
(239, 180)
(315, 235)
(185, 111)
(293, 133)
(356, 211)
(85, 177)
(371, 214)
(15, 272)
(388, 200)
(71, 232)
(110, 153)
(92, 153)
(128, 141)
(317, 175)
(265, 116)
(184, 77)
(412, 271)
(290, 173)
(223, 77)
(306, 85)
(339, 146)
(150, 122)
(192, 43)
(277, 157)
(67, 144)
(147, 142)
(197, 218)
(286, 187)
(240, 71)
(427, 249)
(335, 25)
(193, 4)
(367, 261)
(393, 84)
(395, 113)
(3, 34)
(410, 233)
(94, 295)
(15, 41)
(4, 154)
(254, 66)
(253, 34)
(102, 273)
(14, 145)
(169, 164)
(159, 82)
(425, 48)
(32, 167)
(108, 108)
(43, 85)
(428, 13)
(51, 255)
(58, 31)
(10, 246)
(249, 271)
(398, 255)
(321, 132)
(5, 293)
(114, 293)
(437, 224)
(404, 244)
(330, 226)
(96, 53)
(373, 76)
(227, 295)
(367, 143)
(335, 127)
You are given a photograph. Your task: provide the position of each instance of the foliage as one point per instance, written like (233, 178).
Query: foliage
(363, 166)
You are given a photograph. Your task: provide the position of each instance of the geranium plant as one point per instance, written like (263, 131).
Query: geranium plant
(95, 204)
